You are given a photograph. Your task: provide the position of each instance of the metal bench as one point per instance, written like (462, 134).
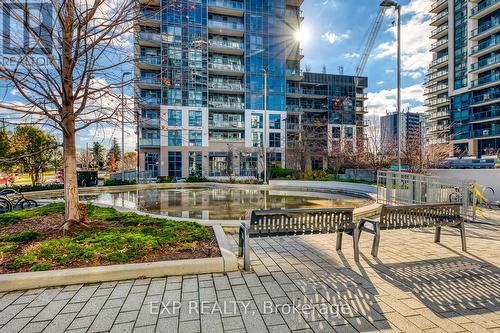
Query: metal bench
(415, 216)
(268, 223)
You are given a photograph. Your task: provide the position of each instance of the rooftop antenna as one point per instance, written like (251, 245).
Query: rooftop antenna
(341, 70)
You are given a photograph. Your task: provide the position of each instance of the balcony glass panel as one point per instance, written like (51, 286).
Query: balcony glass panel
(485, 27)
(486, 80)
(485, 62)
(486, 44)
(226, 4)
(482, 6)
(225, 25)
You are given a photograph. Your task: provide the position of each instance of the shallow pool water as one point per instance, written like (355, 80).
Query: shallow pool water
(220, 203)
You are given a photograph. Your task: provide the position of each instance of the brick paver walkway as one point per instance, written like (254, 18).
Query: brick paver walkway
(414, 286)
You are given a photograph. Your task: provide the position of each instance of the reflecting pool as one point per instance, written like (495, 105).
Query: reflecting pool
(220, 203)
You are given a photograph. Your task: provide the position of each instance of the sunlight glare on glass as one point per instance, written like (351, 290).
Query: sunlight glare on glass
(301, 35)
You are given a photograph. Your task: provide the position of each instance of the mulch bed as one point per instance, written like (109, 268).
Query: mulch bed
(49, 227)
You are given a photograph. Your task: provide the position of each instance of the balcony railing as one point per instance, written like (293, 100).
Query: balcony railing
(485, 80)
(363, 109)
(226, 105)
(439, 16)
(439, 114)
(226, 4)
(439, 43)
(150, 122)
(226, 67)
(482, 6)
(151, 101)
(293, 90)
(361, 96)
(227, 124)
(437, 101)
(150, 142)
(226, 25)
(439, 30)
(485, 115)
(150, 60)
(294, 71)
(150, 80)
(225, 85)
(435, 88)
(150, 36)
(150, 15)
(485, 45)
(485, 97)
(438, 128)
(226, 44)
(315, 92)
(439, 61)
(485, 27)
(294, 13)
(438, 3)
(485, 63)
(485, 132)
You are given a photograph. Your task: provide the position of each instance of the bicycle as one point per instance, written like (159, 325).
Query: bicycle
(5, 206)
(19, 200)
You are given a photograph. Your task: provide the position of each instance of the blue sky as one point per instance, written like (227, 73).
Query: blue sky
(335, 33)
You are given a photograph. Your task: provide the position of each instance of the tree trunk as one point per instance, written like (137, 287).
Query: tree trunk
(71, 199)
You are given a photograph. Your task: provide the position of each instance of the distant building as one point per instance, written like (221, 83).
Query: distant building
(412, 129)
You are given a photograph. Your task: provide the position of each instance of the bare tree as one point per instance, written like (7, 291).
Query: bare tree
(78, 83)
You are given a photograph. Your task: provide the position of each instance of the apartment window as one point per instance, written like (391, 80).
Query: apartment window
(317, 163)
(174, 118)
(151, 161)
(195, 138)
(336, 132)
(275, 140)
(257, 120)
(175, 164)
(175, 138)
(274, 121)
(348, 132)
(195, 118)
(257, 139)
(274, 160)
(195, 164)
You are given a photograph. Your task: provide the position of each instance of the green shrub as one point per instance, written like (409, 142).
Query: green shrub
(164, 180)
(36, 188)
(119, 182)
(196, 179)
(18, 215)
(20, 237)
(281, 173)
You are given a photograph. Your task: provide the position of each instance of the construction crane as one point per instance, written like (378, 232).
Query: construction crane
(373, 33)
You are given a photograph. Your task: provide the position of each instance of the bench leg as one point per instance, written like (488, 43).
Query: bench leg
(355, 238)
(437, 236)
(462, 235)
(376, 241)
(241, 241)
(246, 251)
(339, 240)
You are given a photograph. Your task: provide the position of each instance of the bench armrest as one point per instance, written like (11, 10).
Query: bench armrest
(361, 224)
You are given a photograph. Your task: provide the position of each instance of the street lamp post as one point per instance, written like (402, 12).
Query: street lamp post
(388, 3)
(265, 125)
(123, 125)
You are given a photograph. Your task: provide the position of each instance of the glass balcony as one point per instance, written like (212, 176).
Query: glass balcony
(439, 17)
(485, 63)
(481, 133)
(235, 86)
(150, 15)
(226, 105)
(150, 36)
(294, 13)
(151, 101)
(315, 92)
(361, 96)
(150, 60)
(439, 43)
(150, 81)
(225, 25)
(434, 75)
(482, 6)
(439, 30)
(492, 78)
(435, 88)
(238, 125)
(485, 45)
(436, 101)
(294, 90)
(439, 61)
(438, 3)
(437, 115)
(486, 115)
(362, 109)
(227, 44)
(489, 96)
(149, 142)
(294, 108)
(226, 67)
(485, 27)
(150, 122)
(227, 4)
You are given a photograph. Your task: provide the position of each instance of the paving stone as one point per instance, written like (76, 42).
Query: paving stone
(167, 325)
(14, 325)
(81, 322)
(29, 312)
(126, 317)
(45, 297)
(60, 323)
(133, 302)
(122, 328)
(211, 323)
(232, 323)
(35, 327)
(121, 290)
(192, 326)
(104, 320)
(10, 312)
(51, 310)
(83, 294)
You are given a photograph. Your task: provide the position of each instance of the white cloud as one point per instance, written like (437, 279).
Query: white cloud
(352, 55)
(385, 100)
(380, 82)
(413, 75)
(415, 41)
(333, 38)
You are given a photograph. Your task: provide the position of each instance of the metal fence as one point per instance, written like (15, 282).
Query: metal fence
(144, 176)
(400, 188)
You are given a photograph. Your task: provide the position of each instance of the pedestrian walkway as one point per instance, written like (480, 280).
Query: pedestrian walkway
(298, 284)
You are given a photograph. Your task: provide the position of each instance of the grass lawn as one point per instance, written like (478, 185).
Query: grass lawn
(32, 240)
(24, 178)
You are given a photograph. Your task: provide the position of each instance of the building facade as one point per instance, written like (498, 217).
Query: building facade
(412, 130)
(201, 71)
(463, 83)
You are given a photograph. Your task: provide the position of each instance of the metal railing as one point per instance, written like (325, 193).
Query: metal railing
(144, 176)
(404, 188)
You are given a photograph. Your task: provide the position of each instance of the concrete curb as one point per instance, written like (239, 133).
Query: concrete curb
(29, 280)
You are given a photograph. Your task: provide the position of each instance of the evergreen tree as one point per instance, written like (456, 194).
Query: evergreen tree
(98, 154)
(114, 155)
